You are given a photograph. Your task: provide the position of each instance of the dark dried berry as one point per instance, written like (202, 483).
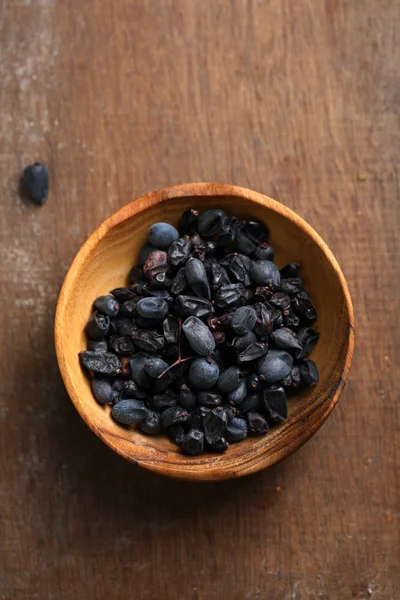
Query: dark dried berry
(302, 304)
(179, 252)
(308, 338)
(152, 308)
(239, 394)
(195, 240)
(170, 330)
(251, 403)
(151, 424)
(280, 301)
(107, 305)
(150, 341)
(230, 296)
(225, 236)
(211, 222)
(199, 336)
(241, 342)
(264, 324)
(285, 339)
(191, 306)
(219, 276)
(177, 433)
(203, 375)
(193, 442)
(288, 288)
(155, 264)
(291, 319)
(103, 363)
(97, 345)
(162, 235)
(244, 244)
(139, 374)
(197, 278)
(219, 337)
(238, 267)
(309, 372)
(256, 231)
(243, 320)
(162, 401)
(161, 384)
(214, 424)
(229, 380)
(154, 367)
(219, 446)
(236, 430)
(210, 248)
(136, 274)
(125, 326)
(255, 350)
(275, 365)
(275, 403)
(121, 345)
(179, 282)
(117, 390)
(209, 399)
(102, 391)
(257, 423)
(35, 180)
(188, 221)
(128, 308)
(129, 412)
(290, 270)
(145, 252)
(98, 326)
(173, 415)
(264, 252)
(264, 272)
(186, 397)
(131, 390)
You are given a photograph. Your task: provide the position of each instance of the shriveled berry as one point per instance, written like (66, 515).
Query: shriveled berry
(219, 276)
(102, 390)
(237, 266)
(156, 264)
(275, 365)
(170, 330)
(256, 231)
(150, 341)
(309, 372)
(264, 271)
(162, 401)
(97, 345)
(173, 415)
(192, 306)
(98, 326)
(177, 433)
(162, 235)
(129, 412)
(107, 305)
(243, 341)
(188, 221)
(302, 304)
(152, 308)
(236, 430)
(230, 296)
(35, 179)
(257, 423)
(128, 308)
(131, 390)
(251, 403)
(285, 339)
(253, 351)
(144, 253)
(244, 244)
(214, 424)
(211, 222)
(264, 252)
(254, 382)
(203, 375)
(275, 403)
(239, 394)
(199, 336)
(193, 442)
(197, 278)
(102, 363)
(151, 424)
(179, 252)
(290, 270)
(219, 446)
(179, 282)
(186, 397)
(122, 345)
(308, 338)
(243, 320)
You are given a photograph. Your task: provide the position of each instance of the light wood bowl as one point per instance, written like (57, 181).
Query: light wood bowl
(103, 263)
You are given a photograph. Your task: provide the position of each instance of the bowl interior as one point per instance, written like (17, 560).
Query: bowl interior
(103, 264)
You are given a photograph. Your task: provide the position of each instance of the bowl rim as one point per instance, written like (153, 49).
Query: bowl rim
(140, 205)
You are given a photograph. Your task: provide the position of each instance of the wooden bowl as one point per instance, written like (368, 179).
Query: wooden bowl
(103, 263)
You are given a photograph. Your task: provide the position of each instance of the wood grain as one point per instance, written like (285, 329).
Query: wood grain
(298, 100)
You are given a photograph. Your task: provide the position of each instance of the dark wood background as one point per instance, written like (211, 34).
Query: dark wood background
(298, 99)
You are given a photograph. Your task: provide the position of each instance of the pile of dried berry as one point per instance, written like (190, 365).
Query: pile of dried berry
(207, 339)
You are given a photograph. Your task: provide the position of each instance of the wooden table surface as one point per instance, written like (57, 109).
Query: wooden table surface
(298, 99)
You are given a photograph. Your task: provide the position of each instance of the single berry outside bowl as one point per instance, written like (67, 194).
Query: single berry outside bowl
(103, 263)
